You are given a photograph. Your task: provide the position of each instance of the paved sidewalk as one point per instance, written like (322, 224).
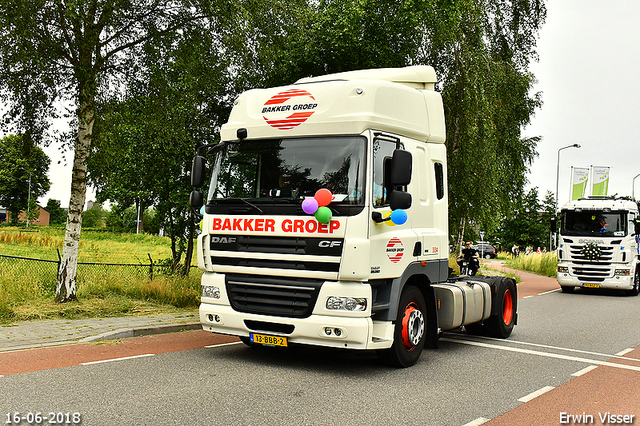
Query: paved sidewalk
(35, 334)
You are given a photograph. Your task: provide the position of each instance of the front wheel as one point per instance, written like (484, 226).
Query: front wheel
(636, 285)
(410, 330)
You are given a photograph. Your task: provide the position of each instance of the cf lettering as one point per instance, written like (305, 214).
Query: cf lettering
(329, 244)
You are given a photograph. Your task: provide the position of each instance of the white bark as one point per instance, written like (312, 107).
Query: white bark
(67, 272)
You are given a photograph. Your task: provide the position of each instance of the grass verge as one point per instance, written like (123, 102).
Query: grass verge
(543, 263)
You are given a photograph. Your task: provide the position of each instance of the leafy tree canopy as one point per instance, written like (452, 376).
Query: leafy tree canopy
(20, 162)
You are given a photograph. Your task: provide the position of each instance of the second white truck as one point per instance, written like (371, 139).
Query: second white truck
(598, 245)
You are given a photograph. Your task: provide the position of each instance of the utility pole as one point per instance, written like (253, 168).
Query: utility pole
(28, 200)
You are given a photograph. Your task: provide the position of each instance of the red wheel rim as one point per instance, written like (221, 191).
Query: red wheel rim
(412, 326)
(507, 307)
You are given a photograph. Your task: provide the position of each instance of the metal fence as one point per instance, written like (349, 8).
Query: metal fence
(47, 270)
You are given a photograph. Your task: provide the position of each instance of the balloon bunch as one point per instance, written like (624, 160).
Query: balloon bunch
(317, 205)
(396, 217)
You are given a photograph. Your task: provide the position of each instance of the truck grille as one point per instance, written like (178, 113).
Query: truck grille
(591, 270)
(277, 296)
(306, 248)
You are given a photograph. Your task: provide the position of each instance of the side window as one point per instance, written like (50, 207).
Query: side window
(382, 155)
(439, 169)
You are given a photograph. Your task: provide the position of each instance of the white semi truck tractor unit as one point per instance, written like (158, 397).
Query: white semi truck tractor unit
(325, 220)
(598, 245)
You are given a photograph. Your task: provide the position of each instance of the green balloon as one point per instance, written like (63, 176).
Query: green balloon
(323, 215)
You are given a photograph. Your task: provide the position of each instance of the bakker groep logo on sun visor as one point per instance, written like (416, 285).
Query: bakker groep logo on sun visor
(289, 109)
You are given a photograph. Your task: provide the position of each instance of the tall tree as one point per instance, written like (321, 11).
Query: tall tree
(23, 173)
(57, 215)
(145, 143)
(525, 225)
(76, 51)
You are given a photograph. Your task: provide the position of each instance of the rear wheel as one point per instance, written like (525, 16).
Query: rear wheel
(410, 331)
(501, 323)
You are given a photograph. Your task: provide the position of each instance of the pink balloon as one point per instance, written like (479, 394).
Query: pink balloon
(323, 196)
(309, 205)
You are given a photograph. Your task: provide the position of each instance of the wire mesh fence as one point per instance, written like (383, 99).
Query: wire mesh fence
(47, 270)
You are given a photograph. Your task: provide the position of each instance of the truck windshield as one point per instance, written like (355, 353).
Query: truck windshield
(592, 223)
(256, 174)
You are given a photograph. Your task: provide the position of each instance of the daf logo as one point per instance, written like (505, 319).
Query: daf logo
(583, 241)
(329, 244)
(223, 240)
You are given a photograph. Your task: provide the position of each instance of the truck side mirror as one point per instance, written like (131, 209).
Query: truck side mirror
(197, 171)
(554, 225)
(401, 168)
(196, 199)
(399, 200)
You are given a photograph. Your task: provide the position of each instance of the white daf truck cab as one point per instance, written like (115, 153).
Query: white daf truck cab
(598, 245)
(325, 220)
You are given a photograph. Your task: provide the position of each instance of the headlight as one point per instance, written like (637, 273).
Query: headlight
(210, 291)
(619, 272)
(563, 269)
(346, 303)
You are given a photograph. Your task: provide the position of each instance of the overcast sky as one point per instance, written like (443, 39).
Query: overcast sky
(588, 76)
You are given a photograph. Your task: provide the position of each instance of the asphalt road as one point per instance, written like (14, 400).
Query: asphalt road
(563, 349)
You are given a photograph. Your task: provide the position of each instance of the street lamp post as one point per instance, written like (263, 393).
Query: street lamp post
(575, 145)
(633, 186)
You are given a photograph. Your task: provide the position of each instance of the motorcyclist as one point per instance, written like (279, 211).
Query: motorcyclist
(470, 255)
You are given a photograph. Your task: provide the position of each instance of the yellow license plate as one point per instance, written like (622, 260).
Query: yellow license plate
(264, 339)
(591, 285)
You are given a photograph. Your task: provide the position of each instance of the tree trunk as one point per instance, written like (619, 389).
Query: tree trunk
(459, 240)
(189, 253)
(67, 273)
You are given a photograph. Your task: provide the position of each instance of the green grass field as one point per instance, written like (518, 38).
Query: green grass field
(543, 264)
(27, 289)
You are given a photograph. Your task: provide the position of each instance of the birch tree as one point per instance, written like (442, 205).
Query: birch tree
(75, 51)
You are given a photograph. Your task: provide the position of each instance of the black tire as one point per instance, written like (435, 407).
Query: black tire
(504, 309)
(636, 285)
(410, 331)
(567, 289)
(487, 256)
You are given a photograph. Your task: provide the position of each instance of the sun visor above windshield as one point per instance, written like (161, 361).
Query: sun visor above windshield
(336, 107)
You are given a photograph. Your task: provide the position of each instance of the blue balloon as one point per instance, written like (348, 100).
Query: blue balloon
(398, 217)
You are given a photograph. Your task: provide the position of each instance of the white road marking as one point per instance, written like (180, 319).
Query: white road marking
(626, 351)
(550, 291)
(535, 394)
(584, 370)
(223, 344)
(116, 359)
(618, 355)
(477, 422)
(545, 354)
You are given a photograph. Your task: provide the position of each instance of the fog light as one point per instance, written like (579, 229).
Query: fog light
(563, 269)
(619, 272)
(346, 303)
(210, 291)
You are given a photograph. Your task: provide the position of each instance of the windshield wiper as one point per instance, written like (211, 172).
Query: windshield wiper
(258, 209)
